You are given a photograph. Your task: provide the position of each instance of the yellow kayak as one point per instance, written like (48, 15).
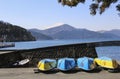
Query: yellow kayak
(106, 62)
(46, 64)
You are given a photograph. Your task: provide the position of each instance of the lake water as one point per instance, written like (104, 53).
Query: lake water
(110, 51)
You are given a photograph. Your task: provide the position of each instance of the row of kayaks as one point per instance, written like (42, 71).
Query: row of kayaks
(84, 63)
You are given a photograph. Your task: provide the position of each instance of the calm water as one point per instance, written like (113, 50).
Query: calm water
(110, 51)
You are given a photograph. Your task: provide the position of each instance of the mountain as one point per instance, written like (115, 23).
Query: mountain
(13, 33)
(81, 34)
(40, 36)
(34, 30)
(114, 31)
(101, 31)
(66, 31)
(57, 29)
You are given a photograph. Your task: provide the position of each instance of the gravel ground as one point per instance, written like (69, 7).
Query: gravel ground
(28, 73)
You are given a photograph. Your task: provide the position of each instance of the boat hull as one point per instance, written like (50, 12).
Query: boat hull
(46, 64)
(66, 64)
(106, 62)
(86, 63)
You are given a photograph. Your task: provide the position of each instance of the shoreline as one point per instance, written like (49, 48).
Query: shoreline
(28, 73)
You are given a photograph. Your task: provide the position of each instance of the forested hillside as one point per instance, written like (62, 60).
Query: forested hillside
(12, 33)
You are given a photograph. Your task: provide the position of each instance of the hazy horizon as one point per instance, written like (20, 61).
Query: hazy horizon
(45, 14)
(72, 26)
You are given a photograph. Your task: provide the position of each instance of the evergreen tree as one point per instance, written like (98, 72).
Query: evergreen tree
(9, 32)
(96, 5)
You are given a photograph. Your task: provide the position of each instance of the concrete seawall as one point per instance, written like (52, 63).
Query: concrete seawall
(54, 52)
(74, 51)
(4, 45)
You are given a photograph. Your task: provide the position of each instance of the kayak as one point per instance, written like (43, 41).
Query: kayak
(21, 63)
(25, 61)
(46, 64)
(86, 63)
(106, 62)
(66, 64)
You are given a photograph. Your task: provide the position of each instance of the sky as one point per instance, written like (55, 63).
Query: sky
(42, 14)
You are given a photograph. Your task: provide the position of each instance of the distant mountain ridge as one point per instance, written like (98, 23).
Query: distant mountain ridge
(40, 36)
(113, 31)
(66, 31)
(54, 30)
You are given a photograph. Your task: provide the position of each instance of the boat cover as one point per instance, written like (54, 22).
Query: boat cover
(86, 63)
(106, 62)
(65, 64)
(46, 64)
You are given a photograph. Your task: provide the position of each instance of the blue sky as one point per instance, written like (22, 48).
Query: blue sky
(42, 14)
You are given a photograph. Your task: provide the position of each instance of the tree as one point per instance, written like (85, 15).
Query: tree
(96, 5)
(118, 8)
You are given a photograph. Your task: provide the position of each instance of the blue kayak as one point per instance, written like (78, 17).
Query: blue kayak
(66, 64)
(86, 63)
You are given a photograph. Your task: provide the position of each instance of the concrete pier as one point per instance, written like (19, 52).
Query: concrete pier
(4, 45)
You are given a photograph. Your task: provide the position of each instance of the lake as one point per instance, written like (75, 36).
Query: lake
(110, 51)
